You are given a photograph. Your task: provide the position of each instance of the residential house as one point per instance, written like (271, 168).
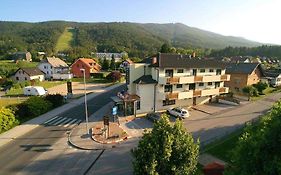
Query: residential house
(55, 68)
(90, 66)
(273, 78)
(243, 74)
(171, 80)
(27, 74)
(22, 56)
(108, 56)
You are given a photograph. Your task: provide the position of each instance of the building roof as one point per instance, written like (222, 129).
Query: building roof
(272, 74)
(242, 68)
(145, 79)
(31, 71)
(167, 60)
(55, 62)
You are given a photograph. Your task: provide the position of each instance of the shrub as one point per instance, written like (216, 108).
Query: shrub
(260, 86)
(7, 119)
(56, 100)
(251, 91)
(114, 76)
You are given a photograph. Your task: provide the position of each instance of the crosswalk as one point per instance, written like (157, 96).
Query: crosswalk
(62, 121)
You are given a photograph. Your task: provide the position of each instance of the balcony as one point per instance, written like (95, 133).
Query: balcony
(185, 94)
(172, 96)
(198, 78)
(173, 80)
(186, 80)
(197, 93)
(225, 77)
(208, 92)
(223, 90)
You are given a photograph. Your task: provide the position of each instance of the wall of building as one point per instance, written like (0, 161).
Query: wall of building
(237, 82)
(47, 69)
(146, 94)
(76, 69)
(136, 71)
(22, 76)
(254, 77)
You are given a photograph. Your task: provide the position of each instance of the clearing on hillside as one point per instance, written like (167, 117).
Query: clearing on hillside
(65, 40)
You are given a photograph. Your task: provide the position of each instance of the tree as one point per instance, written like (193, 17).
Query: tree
(105, 64)
(251, 91)
(166, 149)
(114, 76)
(112, 63)
(165, 48)
(260, 86)
(7, 119)
(258, 149)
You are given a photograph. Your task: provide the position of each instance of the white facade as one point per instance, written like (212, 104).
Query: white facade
(54, 72)
(180, 87)
(23, 76)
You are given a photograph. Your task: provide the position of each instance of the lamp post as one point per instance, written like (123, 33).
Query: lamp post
(86, 109)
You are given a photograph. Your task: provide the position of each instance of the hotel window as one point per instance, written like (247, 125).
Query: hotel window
(210, 83)
(180, 71)
(211, 70)
(168, 88)
(179, 86)
(202, 70)
(169, 102)
(201, 84)
(138, 105)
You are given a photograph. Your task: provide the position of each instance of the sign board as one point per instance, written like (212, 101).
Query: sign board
(106, 120)
(69, 87)
(114, 110)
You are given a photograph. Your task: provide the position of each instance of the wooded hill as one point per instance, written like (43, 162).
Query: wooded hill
(137, 39)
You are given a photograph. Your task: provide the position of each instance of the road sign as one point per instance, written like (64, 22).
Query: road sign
(114, 110)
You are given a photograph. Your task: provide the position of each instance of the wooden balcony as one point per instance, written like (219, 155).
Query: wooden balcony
(198, 78)
(223, 90)
(173, 80)
(172, 96)
(225, 77)
(197, 93)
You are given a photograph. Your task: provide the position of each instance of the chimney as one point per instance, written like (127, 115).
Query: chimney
(193, 54)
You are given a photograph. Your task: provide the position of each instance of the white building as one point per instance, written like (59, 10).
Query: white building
(171, 80)
(55, 68)
(27, 74)
(108, 56)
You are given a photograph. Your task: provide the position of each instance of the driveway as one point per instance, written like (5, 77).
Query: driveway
(77, 88)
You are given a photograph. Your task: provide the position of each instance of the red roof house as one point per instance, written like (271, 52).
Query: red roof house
(90, 66)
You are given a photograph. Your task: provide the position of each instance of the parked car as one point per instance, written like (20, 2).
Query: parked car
(153, 116)
(34, 90)
(178, 112)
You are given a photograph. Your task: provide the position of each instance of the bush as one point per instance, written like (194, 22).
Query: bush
(251, 91)
(260, 86)
(7, 119)
(56, 100)
(114, 76)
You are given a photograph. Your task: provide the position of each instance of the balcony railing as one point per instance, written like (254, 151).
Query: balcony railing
(172, 96)
(173, 80)
(223, 90)
(197, 93)
(185, 95)
(198, 78)
(225, 77)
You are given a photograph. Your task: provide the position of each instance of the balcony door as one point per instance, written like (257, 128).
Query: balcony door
(169, 73)
(168, 88)
(194, 72)
(217, 84)
(218, 72)
(192, 86)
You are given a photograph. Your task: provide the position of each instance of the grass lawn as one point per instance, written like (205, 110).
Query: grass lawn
(65, 40)
(10, 101)
(8, 67)
(45, 84)
(222, 148)
(91, 80)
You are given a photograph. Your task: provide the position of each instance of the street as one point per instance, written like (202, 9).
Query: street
(15, 155)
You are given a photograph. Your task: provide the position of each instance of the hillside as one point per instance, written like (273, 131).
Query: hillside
(135, 38)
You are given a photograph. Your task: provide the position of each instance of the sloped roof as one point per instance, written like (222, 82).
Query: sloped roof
(88, 61)
(31, 71)
(167, 60)
(145, 79)
(242, 68)
(55, 62)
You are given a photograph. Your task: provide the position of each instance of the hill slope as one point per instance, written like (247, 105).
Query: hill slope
(135, 38)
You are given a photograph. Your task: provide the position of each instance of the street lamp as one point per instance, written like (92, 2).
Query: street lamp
(86, 109)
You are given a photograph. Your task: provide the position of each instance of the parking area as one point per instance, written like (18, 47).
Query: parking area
(136, 127)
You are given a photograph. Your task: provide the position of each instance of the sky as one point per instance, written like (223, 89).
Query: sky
(257, 20)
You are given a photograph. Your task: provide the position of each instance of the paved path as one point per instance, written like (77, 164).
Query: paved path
(205, 159)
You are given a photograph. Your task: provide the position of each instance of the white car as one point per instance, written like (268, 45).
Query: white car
(179, 112)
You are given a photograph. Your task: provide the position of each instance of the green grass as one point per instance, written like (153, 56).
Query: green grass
(222, 148)
(65, 40)
(91, 80)
(45, 84)
(8, 67)
(6, 101)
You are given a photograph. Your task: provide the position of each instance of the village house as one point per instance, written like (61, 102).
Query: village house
(55, 68)
(22, 56)
(243, 74)
(89, 65)
(27, 74)
(108, 56)
(172, 80)
(273, 78)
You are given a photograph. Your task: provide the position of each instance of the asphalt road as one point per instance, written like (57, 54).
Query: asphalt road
(15, 155)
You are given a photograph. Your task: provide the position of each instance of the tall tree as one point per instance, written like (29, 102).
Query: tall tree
(165, 48)
(166, 149)
(112, 62)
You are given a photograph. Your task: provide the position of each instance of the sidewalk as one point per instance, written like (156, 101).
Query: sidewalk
(33, 123)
